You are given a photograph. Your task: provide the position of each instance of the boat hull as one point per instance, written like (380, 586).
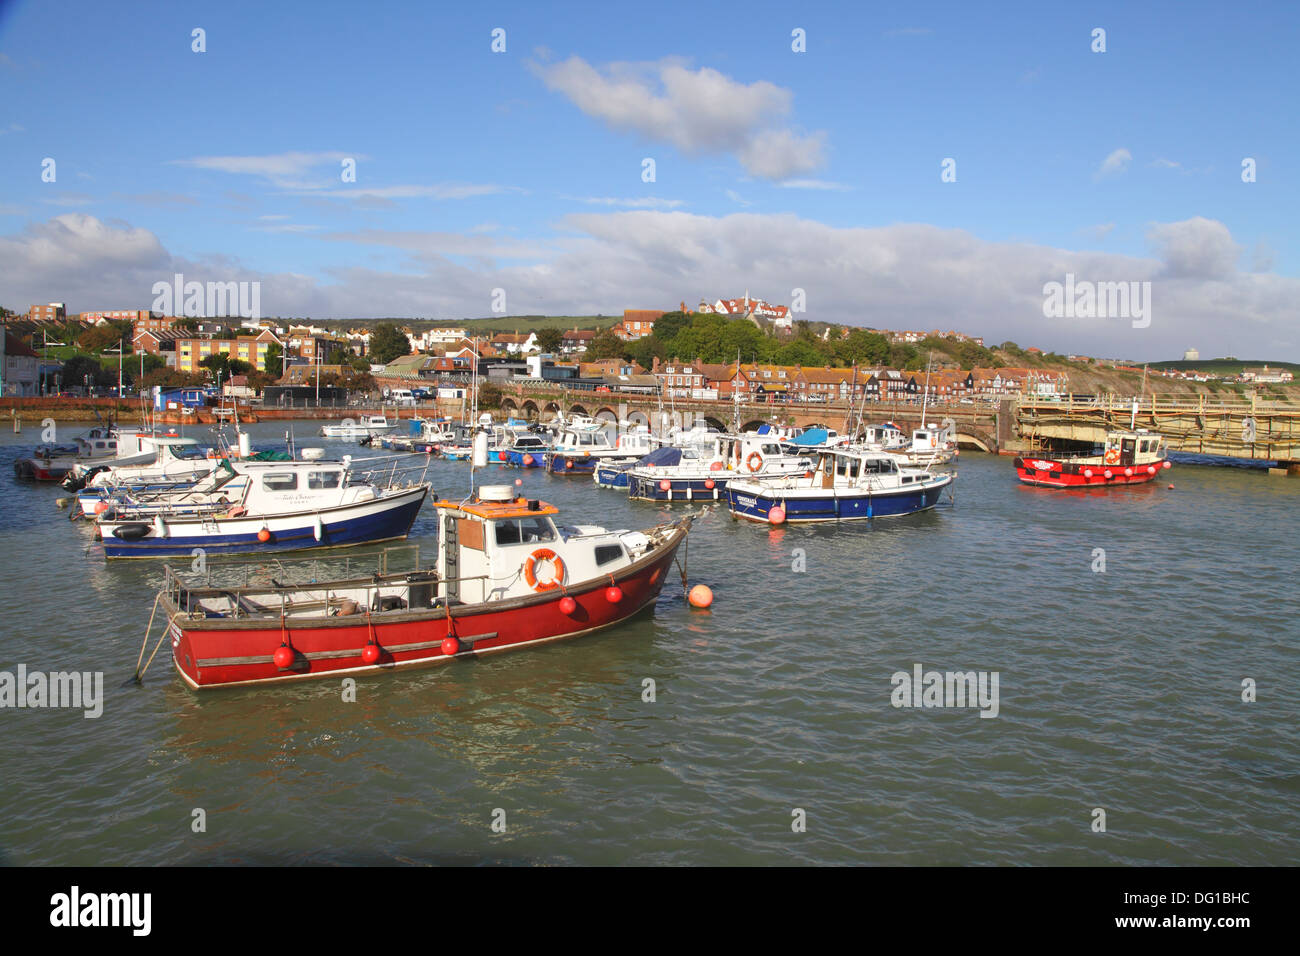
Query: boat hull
(831, 505)
(679, 489)
(382, 519)
(227, 653)
(1053, 473)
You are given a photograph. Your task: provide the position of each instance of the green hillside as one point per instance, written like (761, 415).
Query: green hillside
(1224, 366)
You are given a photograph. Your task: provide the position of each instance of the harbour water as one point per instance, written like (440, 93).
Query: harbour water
(1120, 689)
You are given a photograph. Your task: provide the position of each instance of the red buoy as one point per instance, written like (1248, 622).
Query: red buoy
(709, 483)
(501, 455)
(568, 464)
(283, 656)
(264, 536)
(1128, 472)
(101, 507)
(450, 646)
(665, 484)
(613, 594)
(370, 654)
(528, 459)
(1106, 472)
(700, 596)
(568, 605)
(776, 515)
(716, 466)
(1171, 487)
(1087, 472)
(1167, 464)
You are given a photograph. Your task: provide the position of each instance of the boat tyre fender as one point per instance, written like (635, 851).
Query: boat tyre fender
(530, 569)
(754, 462)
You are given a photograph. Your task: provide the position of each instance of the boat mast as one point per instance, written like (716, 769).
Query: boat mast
(926, 397)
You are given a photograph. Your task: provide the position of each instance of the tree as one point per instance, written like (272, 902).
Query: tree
(79, 368)
(605, 344)
(388, 342)
(273, 360)
(489, 395)
(670, 323)
(548, 340)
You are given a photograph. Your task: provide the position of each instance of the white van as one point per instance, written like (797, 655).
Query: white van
(401, 396)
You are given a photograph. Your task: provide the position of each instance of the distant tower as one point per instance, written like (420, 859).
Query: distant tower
(1191, 355)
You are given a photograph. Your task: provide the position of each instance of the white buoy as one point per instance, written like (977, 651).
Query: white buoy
(245, 445)
(159, 527)
(480, 450)
(318, 529)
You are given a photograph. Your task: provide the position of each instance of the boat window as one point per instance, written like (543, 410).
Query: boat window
(771, 449)
(853, 467)
(606, 553)
(523, 531)
(187, 452)
(324, 479)
(280, 481)
(840, 466)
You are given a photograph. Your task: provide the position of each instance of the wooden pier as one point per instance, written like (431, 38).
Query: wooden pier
(1263, 431)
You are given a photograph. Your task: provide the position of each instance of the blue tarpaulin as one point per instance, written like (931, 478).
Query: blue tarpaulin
(813, 436)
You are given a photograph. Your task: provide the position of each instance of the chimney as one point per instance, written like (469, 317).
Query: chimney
(654, 366)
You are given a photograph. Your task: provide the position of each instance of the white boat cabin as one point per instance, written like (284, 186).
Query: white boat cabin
(496, 546)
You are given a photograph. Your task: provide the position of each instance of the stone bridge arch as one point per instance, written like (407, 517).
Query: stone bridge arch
(968, 437)
(529, 409)
(577, 409)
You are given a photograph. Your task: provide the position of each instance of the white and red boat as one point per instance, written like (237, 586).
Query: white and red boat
(1127, 458)
(507, 577)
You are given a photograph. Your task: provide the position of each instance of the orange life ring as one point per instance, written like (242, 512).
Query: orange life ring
(1112, 457)
(749, 462)
(933, 441)
(530, 572)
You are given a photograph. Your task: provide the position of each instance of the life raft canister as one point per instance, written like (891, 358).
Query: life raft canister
(754, 462)
(530, 569)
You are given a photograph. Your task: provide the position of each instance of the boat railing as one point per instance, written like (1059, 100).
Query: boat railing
(309, 596)
(226, 572)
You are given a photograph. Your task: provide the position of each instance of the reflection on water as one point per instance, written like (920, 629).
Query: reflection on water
(1119, 689)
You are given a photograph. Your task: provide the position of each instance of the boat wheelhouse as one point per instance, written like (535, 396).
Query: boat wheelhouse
(507, 577)
(845, 485)
(55, 462)
(1127, 457)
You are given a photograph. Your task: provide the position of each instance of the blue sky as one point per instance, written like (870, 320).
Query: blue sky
(522, 170)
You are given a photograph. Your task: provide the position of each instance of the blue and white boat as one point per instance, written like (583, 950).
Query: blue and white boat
(283, 506)
(694, 475)
(845, 485)
(579, 447)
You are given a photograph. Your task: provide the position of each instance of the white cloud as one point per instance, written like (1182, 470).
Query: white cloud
(1099, 231)
(1114, 163)
(644, 202)
(698, 111)
(738, 199)
(283, 169)
(897, 276)
(1166, 164)
(1195, 248)
(813, 184)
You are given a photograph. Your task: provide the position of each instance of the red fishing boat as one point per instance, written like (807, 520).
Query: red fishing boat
(507, 577)
(1128, 458)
